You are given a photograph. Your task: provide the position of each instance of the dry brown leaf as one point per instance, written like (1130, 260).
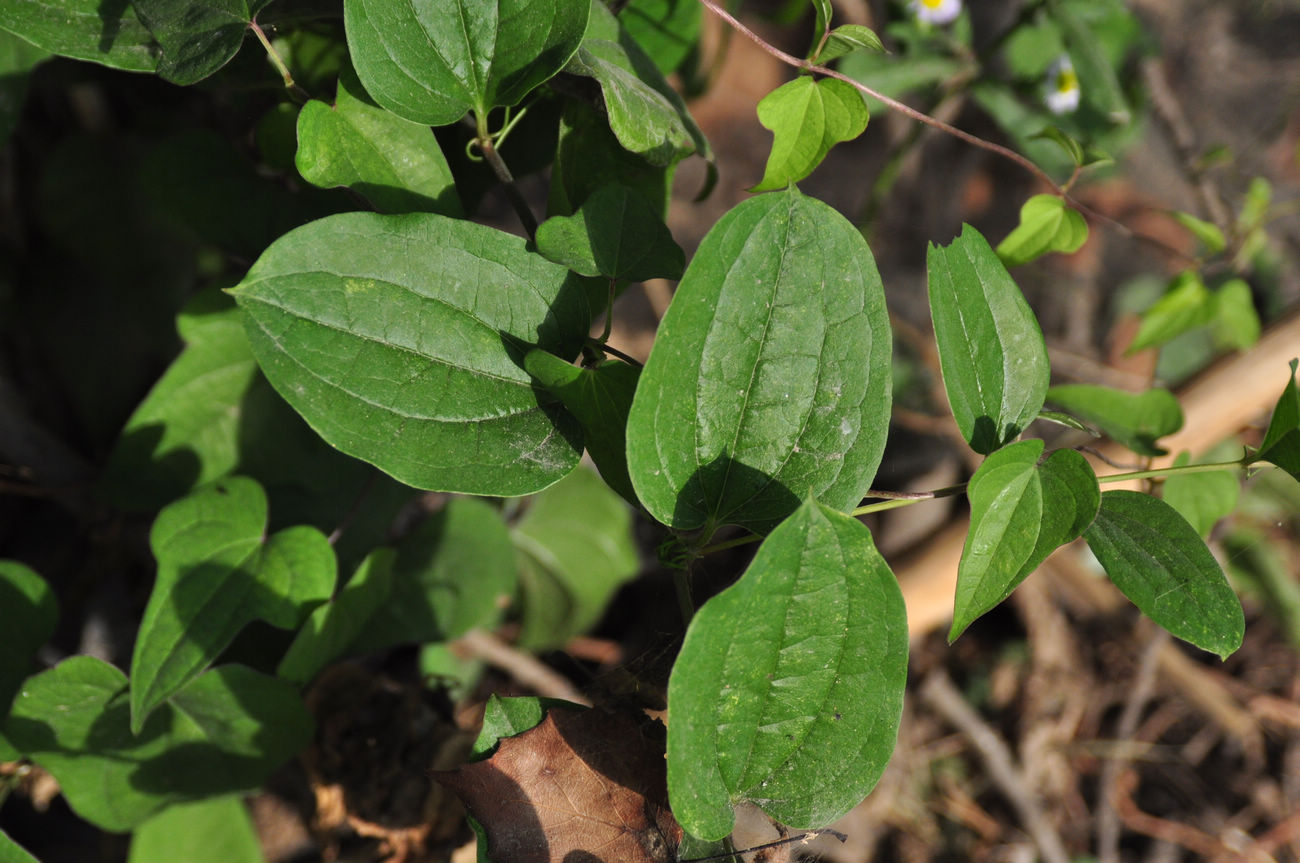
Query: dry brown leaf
(583, 786)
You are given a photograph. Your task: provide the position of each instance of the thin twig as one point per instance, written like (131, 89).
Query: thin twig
(299, 94)
(525, 668)
(507, 180)
(940, 693)
(615, 352)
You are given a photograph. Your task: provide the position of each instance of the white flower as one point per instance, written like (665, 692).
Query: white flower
(1061, 92)
(935, 11)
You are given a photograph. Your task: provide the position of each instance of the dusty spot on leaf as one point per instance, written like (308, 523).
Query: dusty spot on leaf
(583, 785)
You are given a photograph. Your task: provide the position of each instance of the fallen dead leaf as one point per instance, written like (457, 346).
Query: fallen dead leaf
(583, 786)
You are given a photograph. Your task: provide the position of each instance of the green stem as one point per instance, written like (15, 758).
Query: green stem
(682, 584)
(483, 140)
(1162, 472)
(298, 93)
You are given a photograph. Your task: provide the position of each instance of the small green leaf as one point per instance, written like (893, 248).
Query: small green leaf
(217, 830)
(1097, 77)
(822, 20)
(1064, 419)
(28, 613)
(393, 163)
(1136, 420)
(1072, 148)
(615, 233)
(1281, 444)
(601, 398)
(991, 350)
(332, 628)
(108, 34)
(12, 852)
(788, 689)
(400, 339)
(506, 717)
(667, 30)
(1047, 224)
(847, 38)
(1021, 511)
(225, 732)
(576, 548)
(218, 572)
(1207, 233)
(1159, 562)
(807, 117)
(195, 38)
(1235, 321)
(1201, 498)
(1186, 305)
(431, 63)
(770, 372)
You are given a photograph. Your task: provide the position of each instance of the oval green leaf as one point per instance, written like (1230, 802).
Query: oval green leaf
(1136, 420)
(1186, 305)
(615, 233)
(433, 62)
(195, 38)
(108, 34)
(218, 830)
(1159, 562)
(1047, 224)
(770, 375)
(991, 350)
(846, 39)
(393, 163)
(400, 339)
(807, 117)
(788, 689)
(218, 572)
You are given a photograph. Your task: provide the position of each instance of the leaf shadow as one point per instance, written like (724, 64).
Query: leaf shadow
(727, 491)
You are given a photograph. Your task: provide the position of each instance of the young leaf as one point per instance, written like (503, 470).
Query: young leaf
(600, 397)
(847, 38)
(1047, 224)
(1187, 304)
(770, 373)
(505, 717)
(991, 351)
(1281, 444)
(1136, 420)
(615, 233)
(576, 547)
(1207, 233)
(217, 830)
(1072, 148)
(218, 572)
(195, 39)
(76, 28)
(400, 340)
(1201, 498)
(431, 63)
(225, 732)
(28, 613)
(393, 163)
(1235, 321)
(1159, 562)
(589, 157)
(1021, 512)
(788, 689)
(807, 117)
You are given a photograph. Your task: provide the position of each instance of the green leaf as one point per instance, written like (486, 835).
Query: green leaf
(647, 115)
(667, 30)
(17, 58)
(1235, 321)
(576, 549)
(505, 717)
(1201, 498)
(615, 233)
(601, 398)
(770, 374)
(1072, 148)
(822, 20)
(333, 628)
(807, 117)
(217, 830)
(1187, 304)
(1097, 77)
(589, 157)
(431, 63)
(218, 572)
(1207, 233)
(225, 732)
(1160, 563)
(187, 430)
(106, 33)
(195, 38)
(394, 164)
(1136, 420)
(1047, 224)
(789, 686)
(400, 340)
(991, 351)
(12, 852)
(1021, 512)
(1281, 444)
(28, 613)
(847, 38)
(454, 572)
